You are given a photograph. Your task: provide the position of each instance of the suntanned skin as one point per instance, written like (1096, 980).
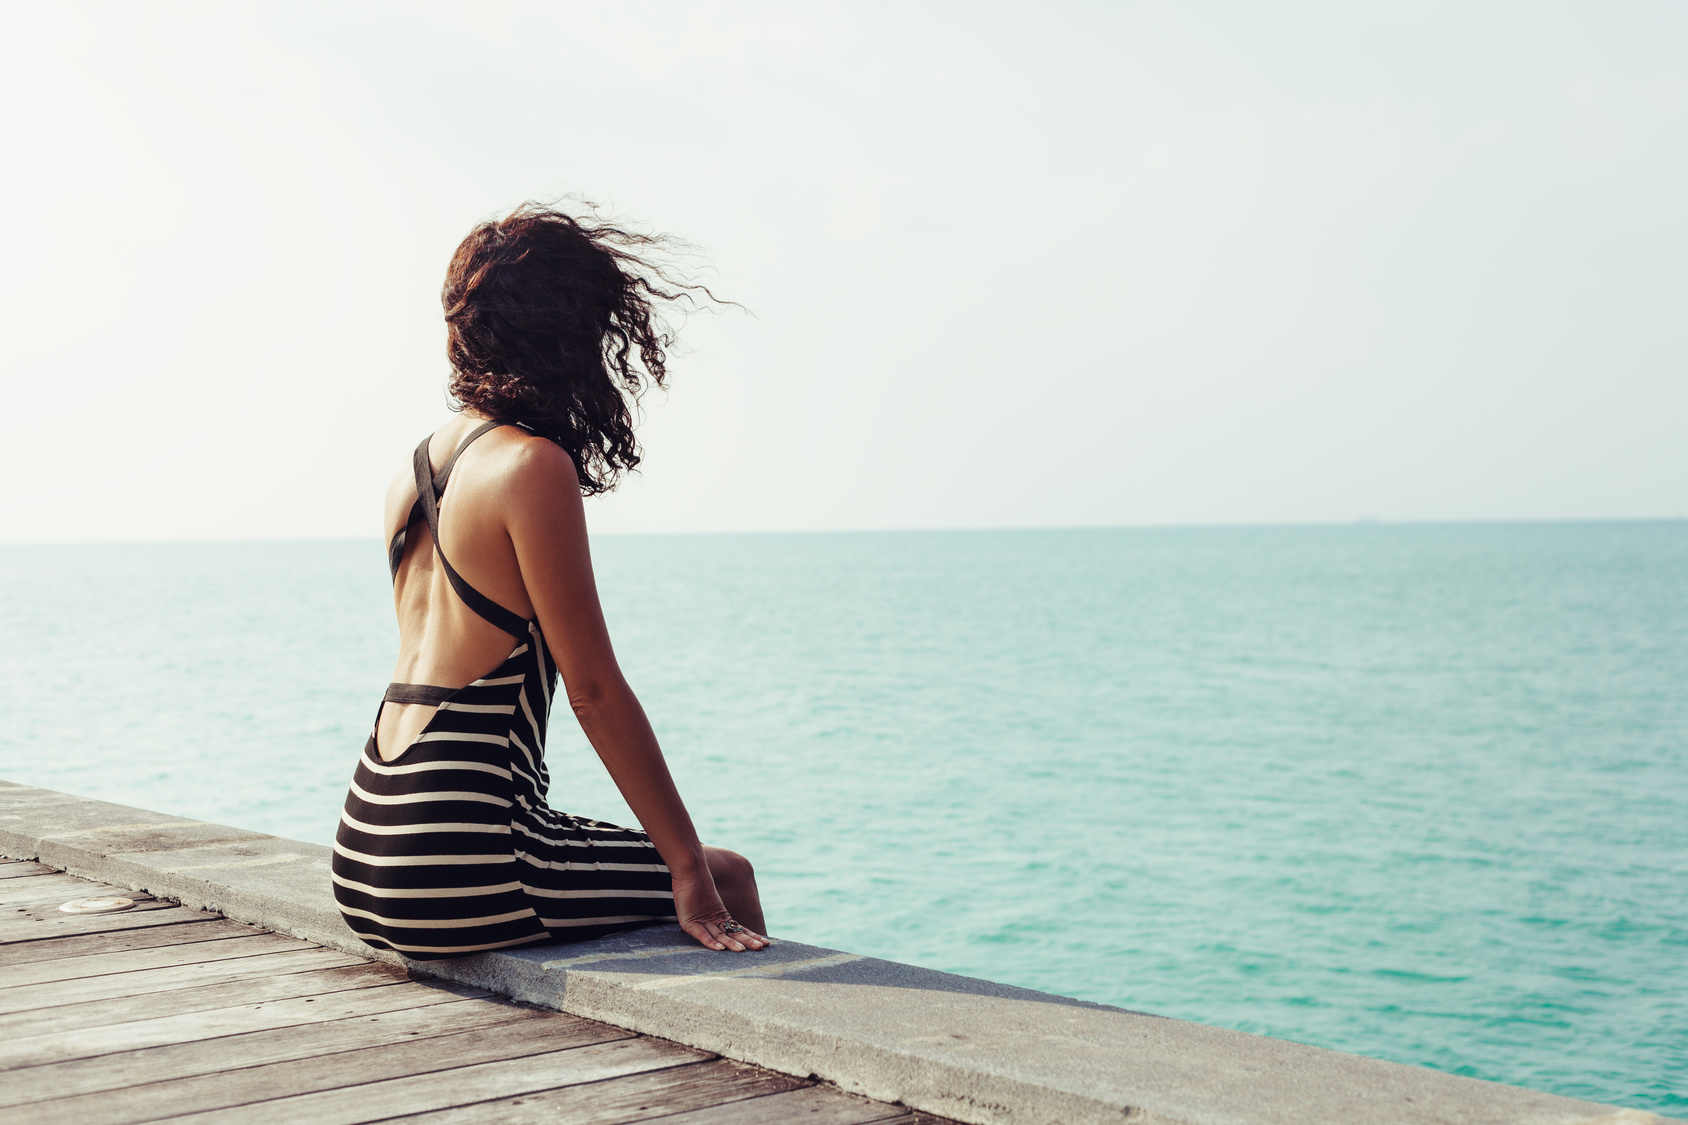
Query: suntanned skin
(513, 525)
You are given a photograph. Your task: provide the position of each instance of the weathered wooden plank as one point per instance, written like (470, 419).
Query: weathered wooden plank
(34, 925)
(158, 957)
(459, 1086)
(21, 868)
(25, 869)
(49, 874)
(328, 1072)
(255, 1048)
(129, 1009)
(812, 1105)
(19, 1005)
(51, 949)
(191, 1027)
(633, 1098)
(55, 888)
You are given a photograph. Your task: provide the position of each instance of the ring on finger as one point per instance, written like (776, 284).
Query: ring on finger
(731, 927)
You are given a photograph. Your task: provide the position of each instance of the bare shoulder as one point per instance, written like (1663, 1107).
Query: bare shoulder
(529, 474)
(526, 462)
(508, 473)
(538, 460)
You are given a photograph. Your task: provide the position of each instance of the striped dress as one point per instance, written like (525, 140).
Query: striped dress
(450, 848)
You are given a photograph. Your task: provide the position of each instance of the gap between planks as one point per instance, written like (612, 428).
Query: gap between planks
(80, 945)
(245, 1049)
(114, 961)
(196, 1027)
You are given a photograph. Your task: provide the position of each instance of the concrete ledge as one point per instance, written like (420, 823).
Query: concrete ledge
(980, 1052)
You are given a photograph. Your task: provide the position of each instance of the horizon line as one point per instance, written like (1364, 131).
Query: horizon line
(1359, 522)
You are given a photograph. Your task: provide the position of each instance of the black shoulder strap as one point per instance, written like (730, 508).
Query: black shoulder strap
(428, 489)
(395, 549)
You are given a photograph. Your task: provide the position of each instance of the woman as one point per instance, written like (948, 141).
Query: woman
(447, 846)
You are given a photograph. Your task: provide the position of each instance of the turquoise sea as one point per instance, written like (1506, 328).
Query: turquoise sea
(1419, 792)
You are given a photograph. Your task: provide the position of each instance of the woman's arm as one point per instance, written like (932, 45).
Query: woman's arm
(547, 526)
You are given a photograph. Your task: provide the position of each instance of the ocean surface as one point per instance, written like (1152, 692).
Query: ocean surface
(1418, 792)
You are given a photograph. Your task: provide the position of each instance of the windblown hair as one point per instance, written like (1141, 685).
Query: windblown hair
(556, 322)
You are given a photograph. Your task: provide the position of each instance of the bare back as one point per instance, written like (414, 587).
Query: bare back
(443, 641)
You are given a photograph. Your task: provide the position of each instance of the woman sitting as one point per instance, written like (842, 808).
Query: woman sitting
(447, 845)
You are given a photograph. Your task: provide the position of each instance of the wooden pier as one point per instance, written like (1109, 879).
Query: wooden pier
(161, 1013)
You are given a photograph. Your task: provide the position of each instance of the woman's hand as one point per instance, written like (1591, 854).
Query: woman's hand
(702, 914)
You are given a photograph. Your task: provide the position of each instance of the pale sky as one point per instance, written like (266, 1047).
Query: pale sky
(1007, 264)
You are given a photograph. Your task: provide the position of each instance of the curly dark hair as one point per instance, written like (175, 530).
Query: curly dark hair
(555, 321)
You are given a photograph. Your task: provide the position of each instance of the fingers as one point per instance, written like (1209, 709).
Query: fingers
(743, 939)
(711, 935)
(704, 936)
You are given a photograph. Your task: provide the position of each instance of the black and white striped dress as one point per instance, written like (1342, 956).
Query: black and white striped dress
(451, 848)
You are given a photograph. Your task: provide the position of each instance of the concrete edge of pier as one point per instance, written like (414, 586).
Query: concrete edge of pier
(955, 1046)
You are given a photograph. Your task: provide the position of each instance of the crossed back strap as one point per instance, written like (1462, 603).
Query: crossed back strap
(430, 486)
